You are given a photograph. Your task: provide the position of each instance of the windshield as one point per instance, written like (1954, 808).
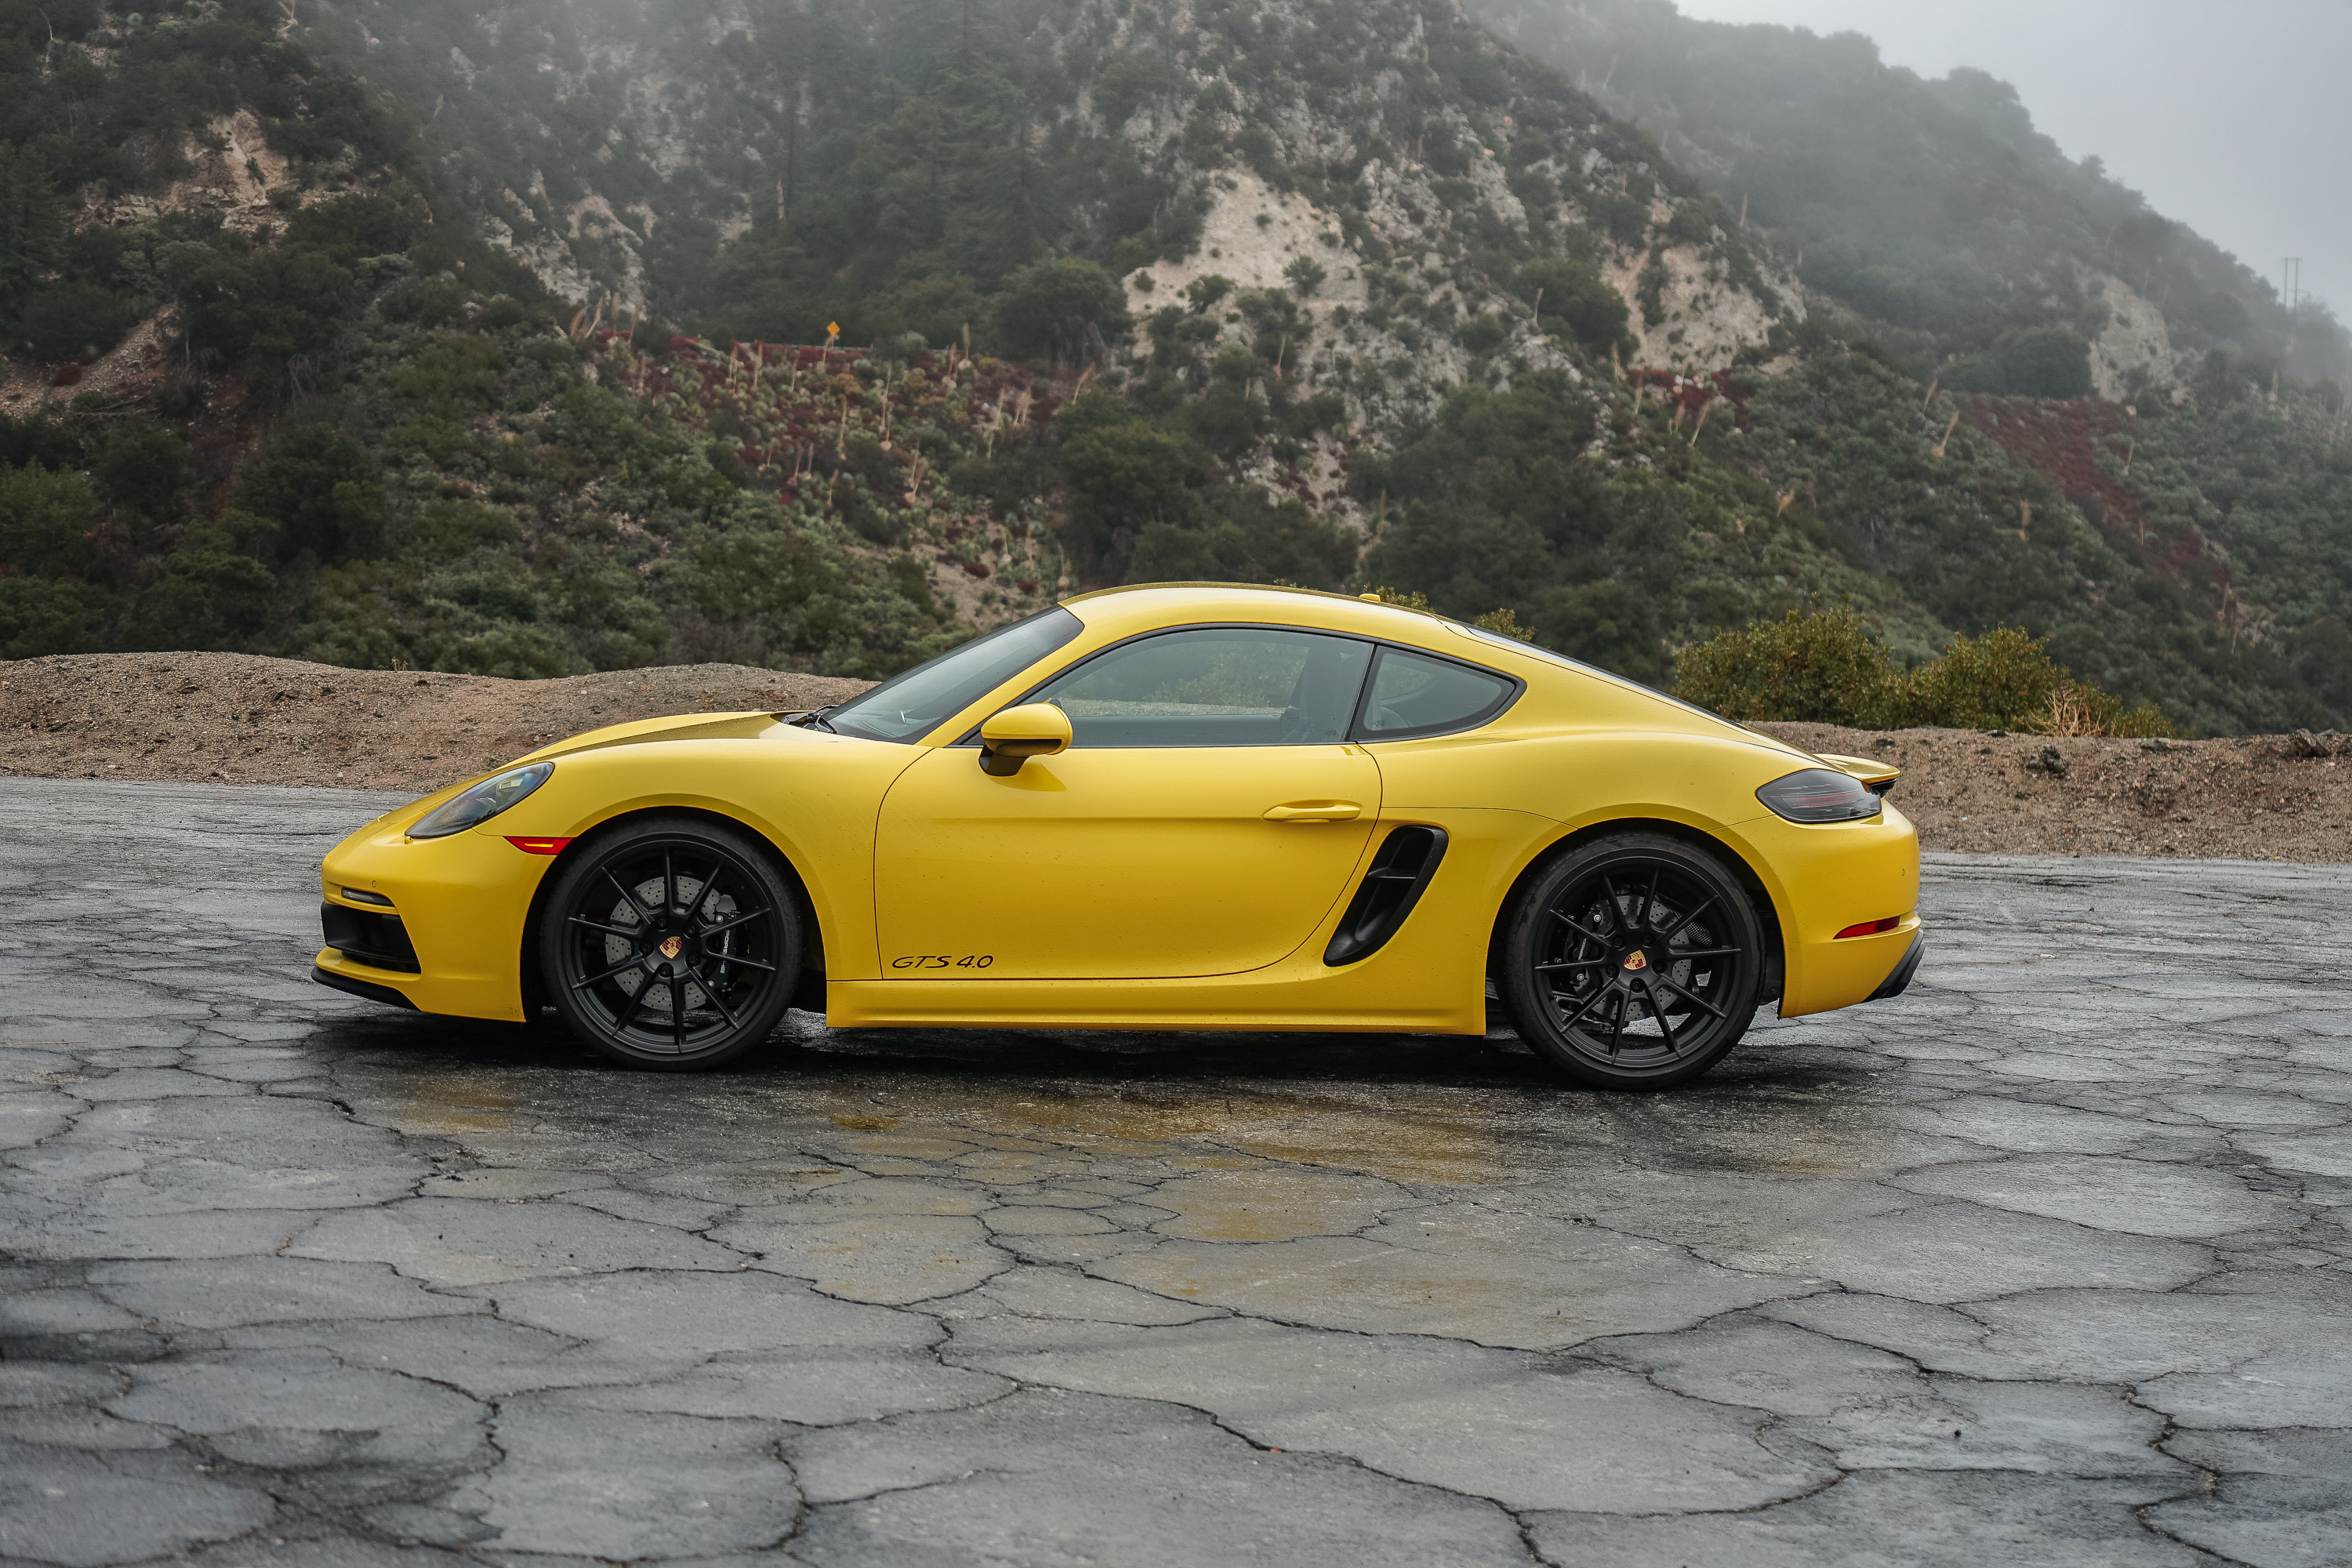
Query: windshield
(907, 706)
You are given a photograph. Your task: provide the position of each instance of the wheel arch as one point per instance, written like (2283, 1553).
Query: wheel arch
(534, 991)
(1767, 912)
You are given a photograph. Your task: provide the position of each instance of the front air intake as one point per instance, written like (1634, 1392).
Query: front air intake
(378, 941)
(1406, 860)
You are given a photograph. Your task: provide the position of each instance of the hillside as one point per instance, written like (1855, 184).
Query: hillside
(532, 340)
(1932, 209)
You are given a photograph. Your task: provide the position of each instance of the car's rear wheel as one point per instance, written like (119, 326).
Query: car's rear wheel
(673, 943)
(1632, 962)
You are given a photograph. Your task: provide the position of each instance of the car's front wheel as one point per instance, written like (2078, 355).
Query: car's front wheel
(673, 943)
(1632, 962)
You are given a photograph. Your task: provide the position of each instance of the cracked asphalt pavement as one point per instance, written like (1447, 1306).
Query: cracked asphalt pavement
(2044, 1263)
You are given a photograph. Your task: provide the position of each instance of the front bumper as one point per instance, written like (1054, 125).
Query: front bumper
(460, 904)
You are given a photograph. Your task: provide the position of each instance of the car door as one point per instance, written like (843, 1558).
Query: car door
(1207, 816)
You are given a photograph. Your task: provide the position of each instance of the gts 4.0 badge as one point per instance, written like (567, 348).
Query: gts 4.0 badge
(943, 961)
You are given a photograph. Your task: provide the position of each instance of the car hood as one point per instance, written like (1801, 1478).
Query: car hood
(741, 726)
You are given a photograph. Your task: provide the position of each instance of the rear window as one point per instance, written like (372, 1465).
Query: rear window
(1419, 694)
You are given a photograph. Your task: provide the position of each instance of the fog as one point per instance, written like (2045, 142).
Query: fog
(2228, 117)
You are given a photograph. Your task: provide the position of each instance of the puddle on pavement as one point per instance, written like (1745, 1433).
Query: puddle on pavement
(1444, 1136)
(456, 1105)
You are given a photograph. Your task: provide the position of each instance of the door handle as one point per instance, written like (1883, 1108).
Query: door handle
(1315, 810)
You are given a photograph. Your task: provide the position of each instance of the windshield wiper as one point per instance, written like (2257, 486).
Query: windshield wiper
(815, 719)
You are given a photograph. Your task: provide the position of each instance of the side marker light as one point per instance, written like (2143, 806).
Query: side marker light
(539, 846)
(1867, 928)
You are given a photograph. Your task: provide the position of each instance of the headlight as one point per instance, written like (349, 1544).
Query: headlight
(1820, 794)
(481, 803)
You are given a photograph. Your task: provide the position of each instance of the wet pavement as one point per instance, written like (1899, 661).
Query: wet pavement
(2044, 1263)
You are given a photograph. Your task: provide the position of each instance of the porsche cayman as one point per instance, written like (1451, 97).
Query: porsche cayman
(1174, 806)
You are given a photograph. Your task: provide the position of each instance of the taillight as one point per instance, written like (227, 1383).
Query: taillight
(1818, 794)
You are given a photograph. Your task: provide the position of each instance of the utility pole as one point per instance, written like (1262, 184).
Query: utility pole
(2291, 274)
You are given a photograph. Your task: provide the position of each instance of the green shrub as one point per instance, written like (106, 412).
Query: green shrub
(46, 518)
(73, 320)
(1572, 295)
(2006, 679)
(1826, 668)
(141, 465)
(322, 489)
(1832, 669)
(1050, 309)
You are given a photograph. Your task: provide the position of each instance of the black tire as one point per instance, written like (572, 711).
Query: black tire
(1632, 962)
(673, 943)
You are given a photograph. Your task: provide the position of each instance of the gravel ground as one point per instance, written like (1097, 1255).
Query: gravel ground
(2042, 1265)
(237, 719)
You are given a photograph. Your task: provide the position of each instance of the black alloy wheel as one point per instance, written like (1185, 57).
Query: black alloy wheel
(675, 944)
(1633, 962)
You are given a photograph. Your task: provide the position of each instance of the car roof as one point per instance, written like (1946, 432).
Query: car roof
(1142, 606)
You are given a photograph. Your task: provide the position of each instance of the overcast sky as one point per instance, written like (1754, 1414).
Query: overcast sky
(2228, 114)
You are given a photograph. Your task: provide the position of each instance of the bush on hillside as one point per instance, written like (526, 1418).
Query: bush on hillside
(1826, 668)
(1061, 310)
(322, 489)
(48, 517)
(71, 321)
(2031, 362)
(1832, 669)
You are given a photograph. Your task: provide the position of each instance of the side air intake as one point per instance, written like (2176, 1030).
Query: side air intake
(1402, 867)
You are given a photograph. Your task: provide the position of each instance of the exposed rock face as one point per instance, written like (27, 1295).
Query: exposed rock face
(2134, 340)
(1704, 319)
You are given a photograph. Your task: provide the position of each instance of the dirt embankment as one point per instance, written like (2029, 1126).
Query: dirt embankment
(2253, 797)
(244, 719)
(233, 717)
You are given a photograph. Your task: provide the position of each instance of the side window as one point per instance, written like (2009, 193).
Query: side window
(1216, 686)
(1414, 694)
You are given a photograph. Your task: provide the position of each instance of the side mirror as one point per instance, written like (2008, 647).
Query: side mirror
(1013, 736)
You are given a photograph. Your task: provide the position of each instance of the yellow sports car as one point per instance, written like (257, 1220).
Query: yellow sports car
(1177, 806)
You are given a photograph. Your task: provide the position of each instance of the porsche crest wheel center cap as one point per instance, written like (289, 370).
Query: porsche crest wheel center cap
(671, 946)
(1637, 960)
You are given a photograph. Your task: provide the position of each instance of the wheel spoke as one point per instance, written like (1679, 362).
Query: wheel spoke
(1695, 999)
(1569, 1022)
(738, 918)
(1675, 953)
(743, 962)
(1650, 898)
(677, 1012)
(670, 889)
(1688, 915)
(707, 897)
(710, 995)
(1610, 898)
(1617, 1029)
(1574, 964)
(627, 964)
(1589, 936)
(620, 1023)
(629, 893)
(1651, 998)
(624, 933)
